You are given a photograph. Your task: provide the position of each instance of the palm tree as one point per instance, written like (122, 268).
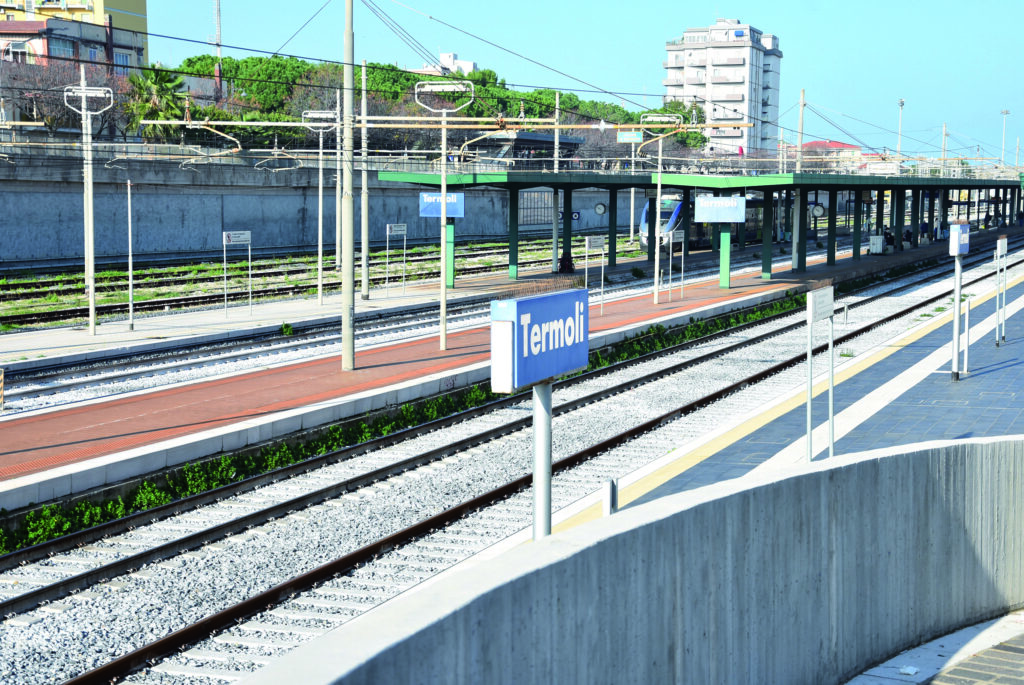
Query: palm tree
(155, 94)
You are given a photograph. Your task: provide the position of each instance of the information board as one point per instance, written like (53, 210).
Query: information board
(396, 229)
(237, 237)
(959, 239)
(629, 136)
(820, 304)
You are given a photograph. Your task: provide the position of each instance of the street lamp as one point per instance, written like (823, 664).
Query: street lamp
(1002, 147)
(320, 129)
(899, 133)
(430, 87)
(659, 119)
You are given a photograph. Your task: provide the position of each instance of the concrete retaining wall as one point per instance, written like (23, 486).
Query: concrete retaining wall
(179, 212)
(809, 577)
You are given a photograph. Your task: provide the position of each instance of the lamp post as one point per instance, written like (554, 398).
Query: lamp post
(433, 87)
(1002, 146)
(320, 129)
(659, 119)
(899, 132)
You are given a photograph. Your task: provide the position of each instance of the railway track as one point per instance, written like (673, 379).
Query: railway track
(45, 387)
(387, 521)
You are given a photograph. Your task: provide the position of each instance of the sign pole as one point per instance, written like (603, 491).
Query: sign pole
(250, 279)
(541, 460)
(956, 317)
(387, 268)
(967, 333)
(131, 273)
(820, 305)
(810, 375)
(521, 359)
(959, 244)
(995, 258)
(670, 266)
(404, 238)
(831, 387)
(225, 279)
(586, 266)
(603, 257)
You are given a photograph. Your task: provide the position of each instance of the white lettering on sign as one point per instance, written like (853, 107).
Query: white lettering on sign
(551, 335)
(728, 202)
(435, 198)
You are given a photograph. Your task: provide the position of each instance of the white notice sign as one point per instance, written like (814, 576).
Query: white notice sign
(237, 237)
(595, 242)
(396, 229)
(820, 304)
(1001, 246)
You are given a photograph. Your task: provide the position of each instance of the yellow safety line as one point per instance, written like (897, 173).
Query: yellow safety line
(695, 456)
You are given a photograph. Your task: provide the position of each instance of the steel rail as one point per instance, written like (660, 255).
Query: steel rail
(139, 658)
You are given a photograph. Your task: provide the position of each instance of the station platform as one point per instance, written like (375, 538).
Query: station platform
(52, 453)
(900, 393)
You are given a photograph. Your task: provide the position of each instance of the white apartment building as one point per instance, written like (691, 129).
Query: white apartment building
(732, 71)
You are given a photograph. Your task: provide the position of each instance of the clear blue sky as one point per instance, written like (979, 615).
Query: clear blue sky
(951, 61)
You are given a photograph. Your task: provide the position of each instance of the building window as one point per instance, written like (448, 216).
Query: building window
(94, 55)
(123, 61)
(61, 47)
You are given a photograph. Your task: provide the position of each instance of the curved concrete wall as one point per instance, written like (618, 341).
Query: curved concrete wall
(807, 577)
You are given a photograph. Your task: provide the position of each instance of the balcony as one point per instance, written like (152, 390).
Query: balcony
(728, 61)
(697, 62)
(729, 78)
(695, 81)
(729, 97)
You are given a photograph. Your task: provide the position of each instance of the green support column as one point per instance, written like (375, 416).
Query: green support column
(767, 223)
(899, 216)
(787, 210)
(513, 233)
(858, 216)
(915, 216)
(741, 234)
(566, 260)
(686, 220)
(652, 218)
(613, 225)
(879, 210)
(724, 232)
(800, 234)
(830, 243)
(932, 196)
(449, 252)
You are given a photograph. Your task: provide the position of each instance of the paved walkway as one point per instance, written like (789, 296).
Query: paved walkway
(901, 393)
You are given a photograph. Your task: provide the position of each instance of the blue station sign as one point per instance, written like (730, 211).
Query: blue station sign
(721, 210)
(430, 205)
(534, 339)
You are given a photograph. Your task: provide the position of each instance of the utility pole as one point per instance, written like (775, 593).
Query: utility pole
(220, 67)
(1002, 146)
(800, 136)
(364, 197)
(944, 148)
(85, 93)
(899, 131)
(348, 304)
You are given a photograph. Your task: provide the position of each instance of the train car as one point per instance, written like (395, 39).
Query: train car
(700, 233)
